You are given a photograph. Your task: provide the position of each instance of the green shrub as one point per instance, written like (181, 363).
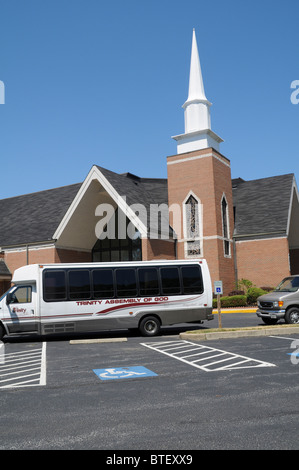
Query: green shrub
(253, 293)
(244, 284)
(233, 301)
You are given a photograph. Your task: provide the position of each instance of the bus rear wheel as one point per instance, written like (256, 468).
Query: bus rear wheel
(150, 326)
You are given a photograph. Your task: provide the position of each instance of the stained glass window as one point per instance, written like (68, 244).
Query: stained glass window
(225, 226)
(192, 227)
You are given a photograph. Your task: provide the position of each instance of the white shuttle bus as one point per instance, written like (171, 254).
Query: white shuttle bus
(57, 298)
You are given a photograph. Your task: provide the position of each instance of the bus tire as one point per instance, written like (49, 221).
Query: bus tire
(150, 326)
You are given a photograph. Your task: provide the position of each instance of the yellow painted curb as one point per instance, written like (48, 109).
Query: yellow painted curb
(236, 310)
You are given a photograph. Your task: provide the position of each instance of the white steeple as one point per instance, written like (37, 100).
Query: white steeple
(198, 134)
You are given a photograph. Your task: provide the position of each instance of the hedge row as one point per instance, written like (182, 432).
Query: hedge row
(241, 300)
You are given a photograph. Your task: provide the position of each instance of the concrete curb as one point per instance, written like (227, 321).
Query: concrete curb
(101, 340)
(242, 332)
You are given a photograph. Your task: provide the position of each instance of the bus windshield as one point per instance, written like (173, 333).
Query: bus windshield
(289, 284)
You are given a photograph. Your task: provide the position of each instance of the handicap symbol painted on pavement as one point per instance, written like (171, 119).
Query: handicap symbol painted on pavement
(123, 373)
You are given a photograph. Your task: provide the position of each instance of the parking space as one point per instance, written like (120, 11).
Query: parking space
(144, 393)
(24, 364)
(204, 357)
(23, 367)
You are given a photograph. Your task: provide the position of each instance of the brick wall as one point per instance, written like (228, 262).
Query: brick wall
(206, 173)
(157, 249)
(20, 257)
(263, 262)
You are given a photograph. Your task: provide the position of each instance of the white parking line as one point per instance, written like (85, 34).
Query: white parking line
(282, 337)
(24, 368)
(189, 353)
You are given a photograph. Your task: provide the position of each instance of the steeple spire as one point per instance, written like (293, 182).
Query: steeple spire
(197, 107)
(196, 88)
(198, 133)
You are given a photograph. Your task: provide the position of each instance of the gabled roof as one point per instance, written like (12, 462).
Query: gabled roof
(34, 217)
(138, 190)
(144, 191)
(133, 196)
(262, 206)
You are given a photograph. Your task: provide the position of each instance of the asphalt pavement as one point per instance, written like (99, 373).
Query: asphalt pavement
(97, 396)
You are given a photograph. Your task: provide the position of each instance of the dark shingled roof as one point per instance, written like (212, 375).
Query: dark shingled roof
(138, 190)
(262, 206)
(34, 217)
(145, 191)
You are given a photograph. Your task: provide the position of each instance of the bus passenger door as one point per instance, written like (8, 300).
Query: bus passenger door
(21, 315)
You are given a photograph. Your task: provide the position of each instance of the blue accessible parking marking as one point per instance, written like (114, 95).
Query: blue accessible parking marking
(123, 373)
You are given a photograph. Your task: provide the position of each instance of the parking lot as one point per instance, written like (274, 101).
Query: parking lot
(132, 393)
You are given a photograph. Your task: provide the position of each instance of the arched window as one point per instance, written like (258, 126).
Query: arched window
(225, 227)
(192, 227)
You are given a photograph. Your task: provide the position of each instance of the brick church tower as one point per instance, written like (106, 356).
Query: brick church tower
(199, 186)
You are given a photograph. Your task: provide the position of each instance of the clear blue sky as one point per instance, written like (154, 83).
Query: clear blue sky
(102, 82)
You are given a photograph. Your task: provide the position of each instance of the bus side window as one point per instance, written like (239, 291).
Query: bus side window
(54, 285)
(102, 283)
(79, 284)
(148, 281)
(126, 282)
(192, 279)
(170, 280)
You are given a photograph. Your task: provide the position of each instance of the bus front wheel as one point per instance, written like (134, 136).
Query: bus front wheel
(150, 326)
